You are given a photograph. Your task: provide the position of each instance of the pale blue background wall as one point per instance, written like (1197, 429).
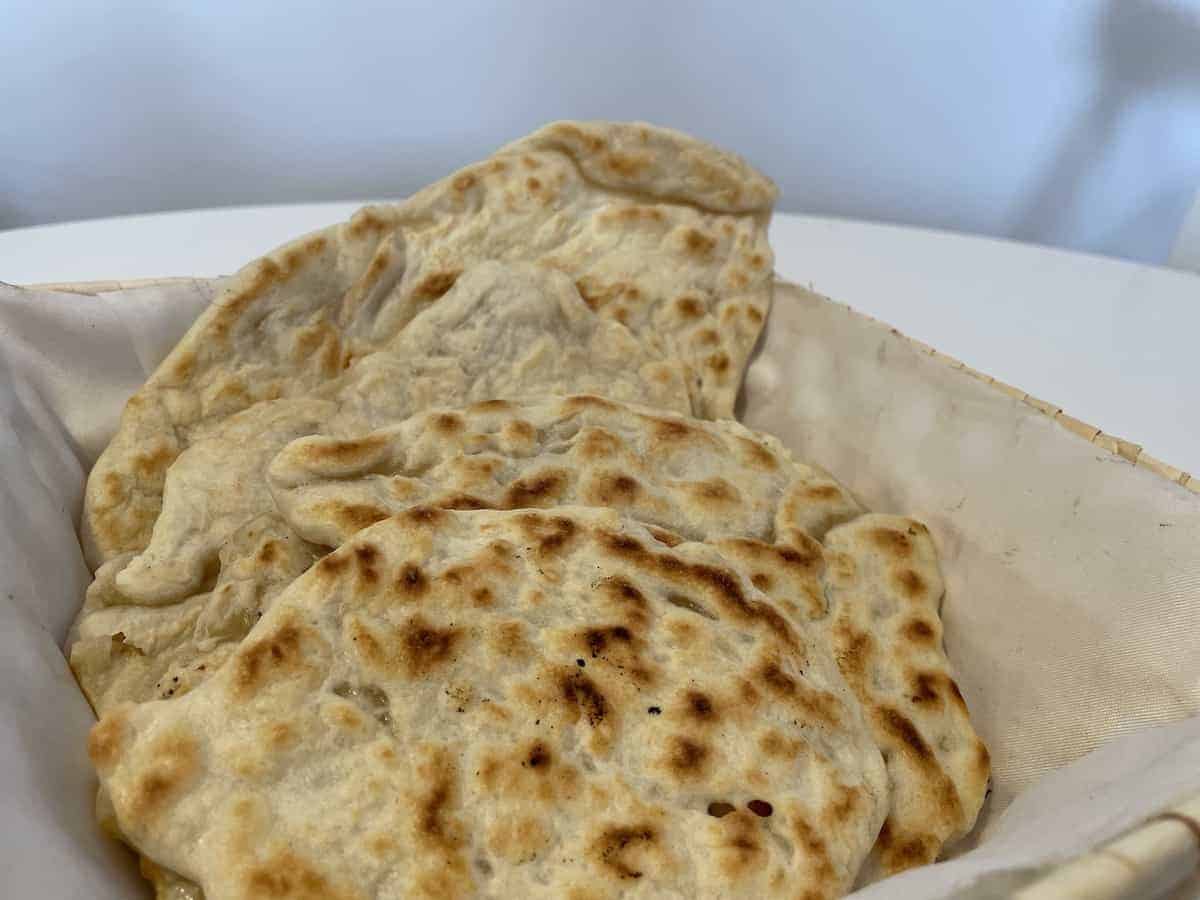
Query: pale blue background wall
(1071, 123)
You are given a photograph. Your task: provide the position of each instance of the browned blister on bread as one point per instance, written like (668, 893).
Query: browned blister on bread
(699, 479)
(885, 591)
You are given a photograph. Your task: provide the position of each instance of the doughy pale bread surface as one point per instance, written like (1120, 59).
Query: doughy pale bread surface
(121, 651)
(496, 704)
(702, 480)
(502, 329)
(657, 230)
(506, 330)
(275, 331)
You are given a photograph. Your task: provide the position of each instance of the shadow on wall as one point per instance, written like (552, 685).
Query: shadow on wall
(1142, 49)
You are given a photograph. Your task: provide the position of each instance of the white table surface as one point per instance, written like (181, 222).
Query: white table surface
(1113, 343)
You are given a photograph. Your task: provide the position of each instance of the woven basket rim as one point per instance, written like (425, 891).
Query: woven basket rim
(1127, 450)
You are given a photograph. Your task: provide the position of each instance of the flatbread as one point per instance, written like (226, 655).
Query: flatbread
(874, 594)
(874, 591)
(121, 651)
(885, 591)
(702, 480)
(502, 329)
(507, 704)
(274, 332)
(659, 231)
(167, 884)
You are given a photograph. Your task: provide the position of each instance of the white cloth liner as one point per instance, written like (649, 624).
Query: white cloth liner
(1071, 611)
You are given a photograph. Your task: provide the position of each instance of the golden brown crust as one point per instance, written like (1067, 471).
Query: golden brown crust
(579, 449)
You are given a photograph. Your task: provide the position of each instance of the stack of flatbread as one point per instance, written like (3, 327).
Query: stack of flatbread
(431, 563)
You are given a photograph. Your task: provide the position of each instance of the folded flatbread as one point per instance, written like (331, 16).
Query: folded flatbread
(658, 231)
(147, 626)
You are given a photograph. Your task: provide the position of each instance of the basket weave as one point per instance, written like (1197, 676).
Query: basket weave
(1127, 450)
(1146, 862)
